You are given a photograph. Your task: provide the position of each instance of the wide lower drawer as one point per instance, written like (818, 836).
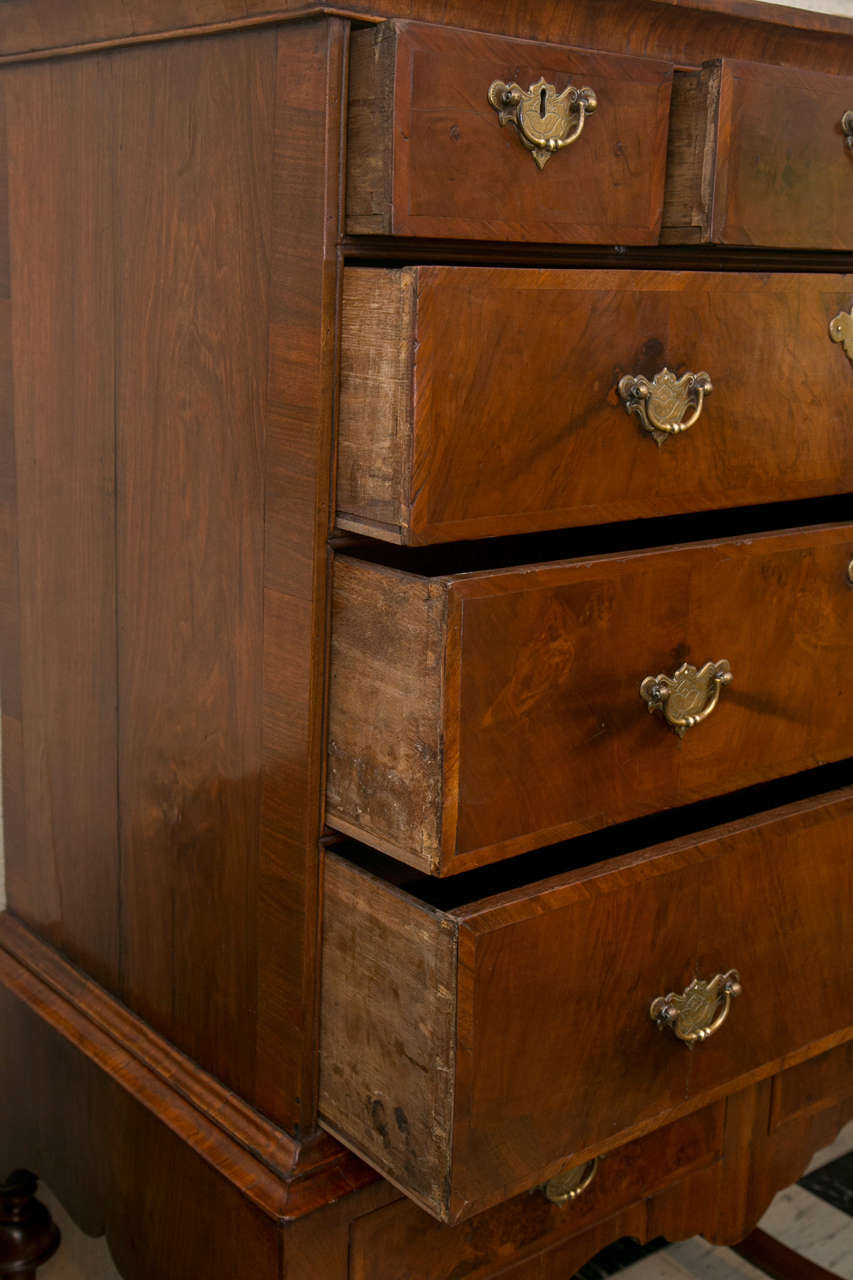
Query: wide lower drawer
(442, 129)
(399, 1240)
(477, 715)
(480, 401)
(471, 1052)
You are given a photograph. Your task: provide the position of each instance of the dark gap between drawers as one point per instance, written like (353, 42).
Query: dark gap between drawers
(568, 544)
(599, 846)
(394, 251)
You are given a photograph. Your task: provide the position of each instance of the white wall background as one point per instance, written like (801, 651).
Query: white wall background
(844, 7)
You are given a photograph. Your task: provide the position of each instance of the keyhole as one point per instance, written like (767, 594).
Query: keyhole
(542, 104)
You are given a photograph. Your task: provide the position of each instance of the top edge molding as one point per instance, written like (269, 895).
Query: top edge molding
(32, 29)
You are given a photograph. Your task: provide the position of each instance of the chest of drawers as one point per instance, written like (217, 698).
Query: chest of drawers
(426, 625)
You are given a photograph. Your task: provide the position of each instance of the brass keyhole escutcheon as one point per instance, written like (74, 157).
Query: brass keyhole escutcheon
(546, 121)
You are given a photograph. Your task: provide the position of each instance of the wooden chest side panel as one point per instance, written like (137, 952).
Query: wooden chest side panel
(386, 747)
(388, 1030)
(195, 121)
(60, 702)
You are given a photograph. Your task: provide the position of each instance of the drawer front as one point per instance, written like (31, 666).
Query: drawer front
(428, 155)
(401, 1240)
(758, 156)
(478, 716)
(812, 1086)
(528, 430)
(471, 1053)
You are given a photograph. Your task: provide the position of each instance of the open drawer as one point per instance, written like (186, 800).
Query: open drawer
(472, 1052)
(477, 715)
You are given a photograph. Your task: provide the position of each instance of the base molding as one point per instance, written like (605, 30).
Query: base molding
(283, 1178)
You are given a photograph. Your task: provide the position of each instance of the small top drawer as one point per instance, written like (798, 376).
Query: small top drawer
(758, 156)
(427, 155)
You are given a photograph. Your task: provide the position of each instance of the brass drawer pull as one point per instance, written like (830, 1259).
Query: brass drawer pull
(841, 330)
(546, 121)
(667, 405)
(565, 1187)
(691, 1016)
(689, 696)
(847, 127)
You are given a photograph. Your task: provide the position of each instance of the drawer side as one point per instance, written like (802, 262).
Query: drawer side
(375, 418)
(388, 1028)
(386, 748)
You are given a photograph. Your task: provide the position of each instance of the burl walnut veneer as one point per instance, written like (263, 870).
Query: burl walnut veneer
(281, 285)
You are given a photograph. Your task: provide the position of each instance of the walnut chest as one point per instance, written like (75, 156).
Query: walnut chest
(426, 622)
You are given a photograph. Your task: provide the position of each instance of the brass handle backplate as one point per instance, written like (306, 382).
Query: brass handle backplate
(689, 696)
(546, 121)
(565, 1187)
(667, 405)
(700, 1011)
(847, 128)
(841, 330)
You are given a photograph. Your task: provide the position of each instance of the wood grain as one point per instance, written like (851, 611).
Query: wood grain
(384, 1242)
(389, 978)
(658, 28)
(759, 1163)
(555, 1052)
(375, 429)
(691, 155)
(303, 324)
(385, 742)
(771, 166)
(411, 384)
(61, 865)
(543, 731)
(812, 1086)
(282, 1179)
(195, 121)
(173, 492)
(447, 168)
(143, 1172)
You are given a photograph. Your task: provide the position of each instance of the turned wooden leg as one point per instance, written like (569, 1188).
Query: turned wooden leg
(28, 1234)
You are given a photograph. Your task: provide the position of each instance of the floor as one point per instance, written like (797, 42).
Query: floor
(815, 1218)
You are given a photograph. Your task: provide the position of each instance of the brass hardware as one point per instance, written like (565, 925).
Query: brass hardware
(691, 1015)
(689, 696)
(847, 128)
(850, 573)
(546, 121)
(565, 1187)
(667, 405)
(841, 329)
